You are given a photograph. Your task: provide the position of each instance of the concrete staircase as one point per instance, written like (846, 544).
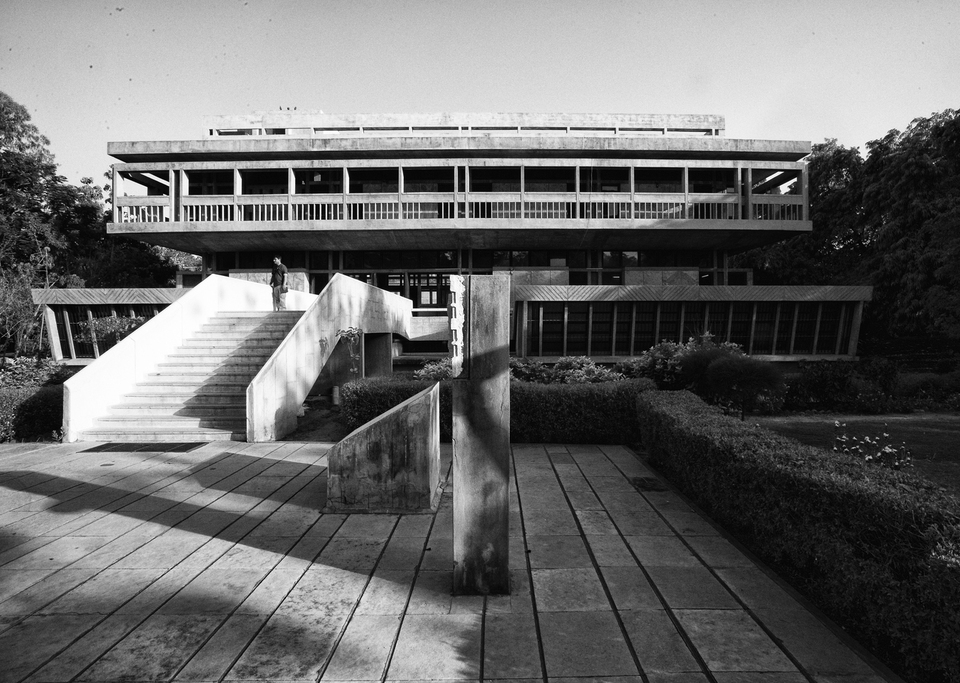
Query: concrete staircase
(198, 393)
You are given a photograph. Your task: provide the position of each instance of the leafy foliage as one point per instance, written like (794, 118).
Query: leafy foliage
(891, 220)
(435, 371)
(567, 370)
(108, 331)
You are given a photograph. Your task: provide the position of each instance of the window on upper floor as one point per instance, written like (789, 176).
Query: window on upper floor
(272, 181)
(658, 180)
(430, 179)
(549, 179)
(318, 180)
(604, 179)
(713, 180)
(374, 180)
(494, 178)
(209, 182)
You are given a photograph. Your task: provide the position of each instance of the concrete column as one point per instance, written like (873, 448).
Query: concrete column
(53, 337)
(481, 442)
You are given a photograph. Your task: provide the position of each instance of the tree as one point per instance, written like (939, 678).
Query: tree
(833, 251)
(891, 221)
(912, 206)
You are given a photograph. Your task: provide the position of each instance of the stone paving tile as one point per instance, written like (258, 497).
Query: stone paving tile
(662, 551)
(38, 595)
(510, 647)
(729, 640)
(386, 594)
(610, 551)
(569, 590)
(289, 647)
(363, 651)
(557, 552)
(584, 644)
(104, 593)
(433, 646)
(718, 552)
(29, 643)
(691, 587)
(220, 652)
(551, 522)
(629, 588)
(154, 650)
(87, 649)
(659, 646)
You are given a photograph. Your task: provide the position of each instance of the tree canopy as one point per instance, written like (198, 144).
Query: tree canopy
(890, 220)
(53, 234)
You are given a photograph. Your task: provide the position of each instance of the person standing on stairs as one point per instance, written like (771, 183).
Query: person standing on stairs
(278, 280)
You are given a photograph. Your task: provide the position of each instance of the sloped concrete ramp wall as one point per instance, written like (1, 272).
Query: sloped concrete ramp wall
(392, 463)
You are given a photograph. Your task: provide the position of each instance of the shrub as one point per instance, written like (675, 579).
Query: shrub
(29, 371)
(742, 382)
(108, 331)
(30, 412)
(879, 450)
(567, 370)
(524, 370)
(435, 371)
(877, 549)
(679, 366)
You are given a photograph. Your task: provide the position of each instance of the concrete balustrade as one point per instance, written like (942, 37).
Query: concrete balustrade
(276, 393)
(88, 394)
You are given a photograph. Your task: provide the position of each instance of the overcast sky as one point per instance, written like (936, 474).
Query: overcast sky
(91, 72)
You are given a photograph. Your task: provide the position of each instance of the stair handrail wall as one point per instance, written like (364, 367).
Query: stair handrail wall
(89, 394)
(277, 392)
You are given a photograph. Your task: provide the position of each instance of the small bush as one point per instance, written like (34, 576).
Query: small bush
(435, 371)
(29, 371)
(742, 382)
(108, 331)
(877, 549)
(567, 370)
(30, 413)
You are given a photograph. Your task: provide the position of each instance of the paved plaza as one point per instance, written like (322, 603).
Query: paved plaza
(214, 562)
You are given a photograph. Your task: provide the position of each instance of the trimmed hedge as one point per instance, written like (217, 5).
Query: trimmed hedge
(601, 413)
(878, 550)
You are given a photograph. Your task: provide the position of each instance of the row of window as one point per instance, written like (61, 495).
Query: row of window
(629, 328)
(479, 179)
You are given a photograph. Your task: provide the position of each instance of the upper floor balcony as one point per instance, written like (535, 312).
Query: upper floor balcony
(483, 205)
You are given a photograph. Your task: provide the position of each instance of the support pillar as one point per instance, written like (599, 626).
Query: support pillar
(481, 442)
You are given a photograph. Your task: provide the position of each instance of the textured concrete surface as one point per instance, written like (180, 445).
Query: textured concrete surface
(391, 463)
(213, 562)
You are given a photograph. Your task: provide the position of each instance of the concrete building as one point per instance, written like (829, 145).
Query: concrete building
(618, 229)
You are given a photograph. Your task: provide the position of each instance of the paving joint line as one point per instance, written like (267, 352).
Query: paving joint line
(596, 565)
(526, 554)
(667, 609)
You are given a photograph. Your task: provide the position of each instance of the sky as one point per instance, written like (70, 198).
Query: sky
(91, 72)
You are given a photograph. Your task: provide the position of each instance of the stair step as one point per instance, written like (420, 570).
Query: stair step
(178, 422)
(227, 411)
(162, 435)
(186, 398)
(192, 388)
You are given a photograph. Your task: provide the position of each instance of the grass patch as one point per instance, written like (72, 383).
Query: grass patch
(934, 439)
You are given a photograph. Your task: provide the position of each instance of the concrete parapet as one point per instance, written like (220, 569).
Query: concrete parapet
(392, 463)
